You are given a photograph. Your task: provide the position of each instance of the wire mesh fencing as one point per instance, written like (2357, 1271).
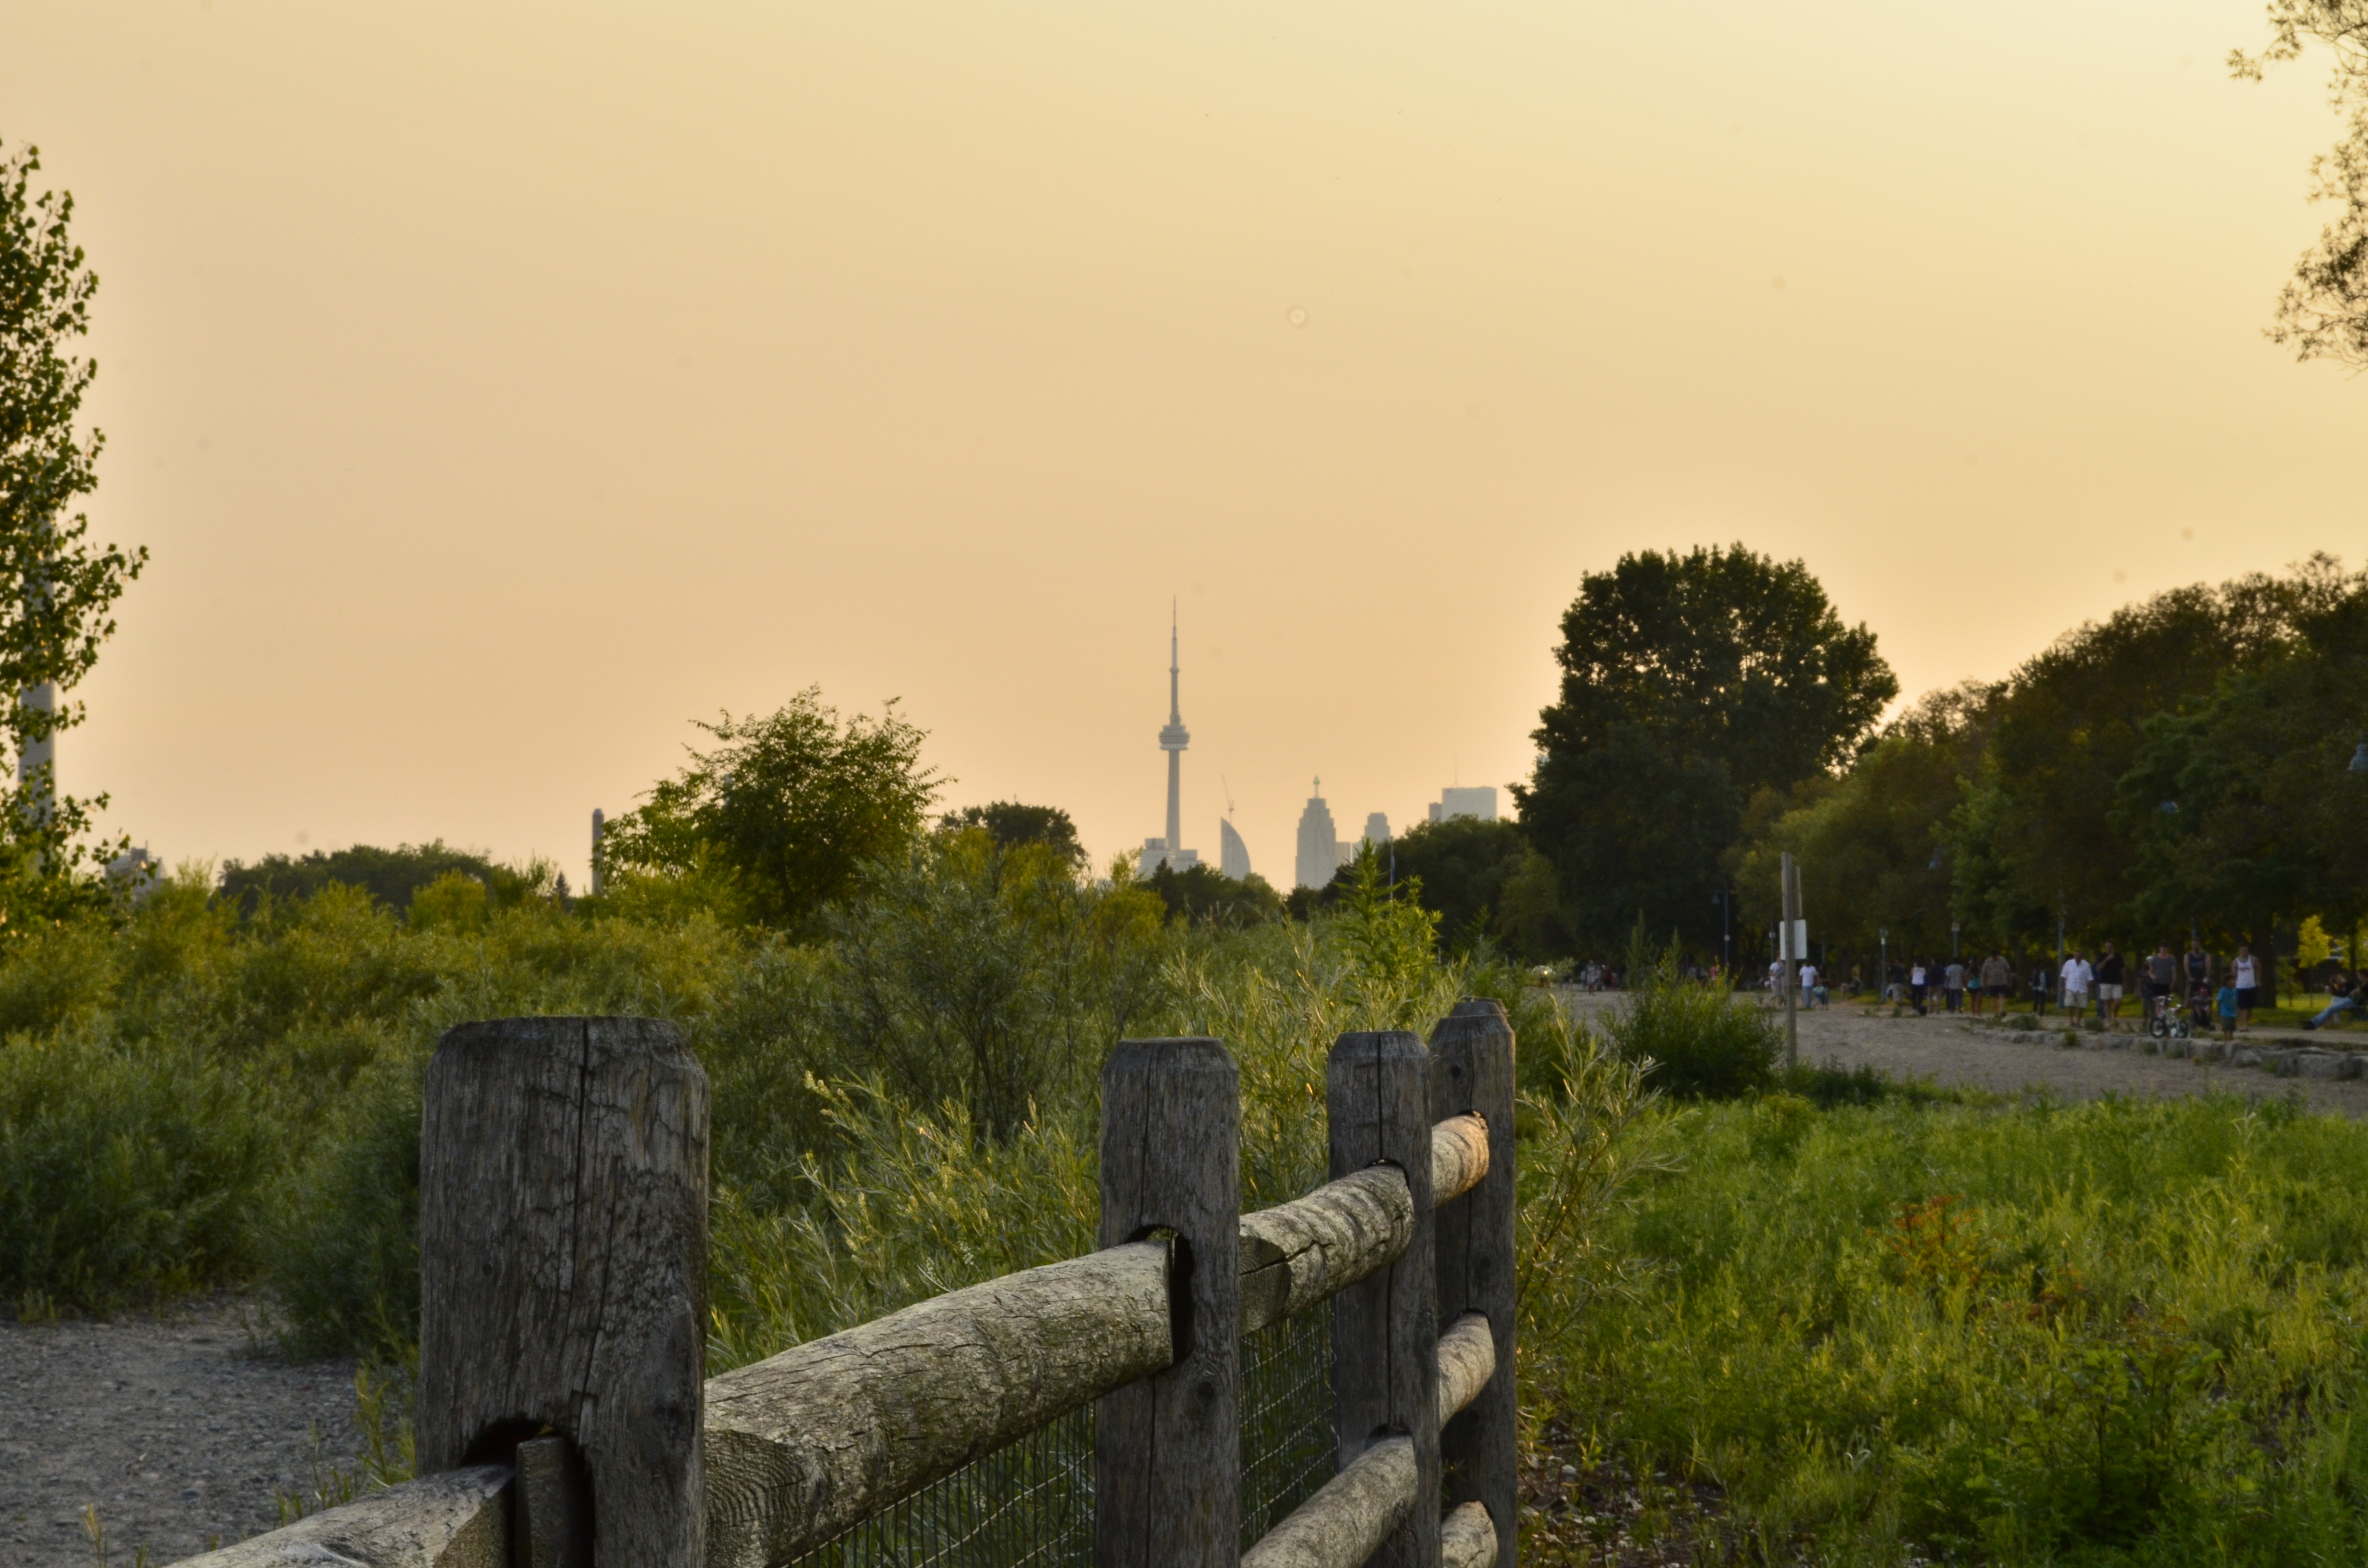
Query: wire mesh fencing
(1030, 1504)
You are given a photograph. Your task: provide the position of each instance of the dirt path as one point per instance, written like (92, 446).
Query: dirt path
(1955, 1051)
(178, 1429)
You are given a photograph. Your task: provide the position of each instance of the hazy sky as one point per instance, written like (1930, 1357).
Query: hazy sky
(500, 387)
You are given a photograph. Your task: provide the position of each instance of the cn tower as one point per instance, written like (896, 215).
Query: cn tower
(1173, 739)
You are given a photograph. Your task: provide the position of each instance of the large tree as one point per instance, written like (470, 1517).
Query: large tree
(56, 587)
(2038, 839)
(784, 812)
(2323, 311)
(1690, 683)
(2242, 809)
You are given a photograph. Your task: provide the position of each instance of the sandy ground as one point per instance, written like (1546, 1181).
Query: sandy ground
(178, 1429)
(1952, 1051)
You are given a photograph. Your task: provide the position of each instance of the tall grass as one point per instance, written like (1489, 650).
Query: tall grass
(2109, 1332)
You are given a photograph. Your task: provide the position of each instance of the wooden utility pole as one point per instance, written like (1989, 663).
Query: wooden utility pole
(1790, 940)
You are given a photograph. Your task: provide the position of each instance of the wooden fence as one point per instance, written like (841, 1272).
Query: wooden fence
(564, 1423)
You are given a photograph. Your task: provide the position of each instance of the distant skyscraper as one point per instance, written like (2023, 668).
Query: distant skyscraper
(1232, 855)
(1478, 801)
(1319, 844)
(1173, 739)
(1377, 829)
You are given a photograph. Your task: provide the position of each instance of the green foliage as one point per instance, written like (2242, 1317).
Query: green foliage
(1689, 1037)
(2322, 310)
(390, 876)
(2116, 1333)
(1204, 895)
(988, 977)
(1866, 842)
(57, 589)
(778, 820)
(125, 1174)
(1011, 825)
(1486, 885)
(1689, 684)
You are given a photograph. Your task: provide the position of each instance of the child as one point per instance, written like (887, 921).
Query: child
(2227, 1001)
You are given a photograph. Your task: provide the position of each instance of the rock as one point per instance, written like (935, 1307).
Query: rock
(2245, 1056)
(2210, 1051)
(2310, 1063)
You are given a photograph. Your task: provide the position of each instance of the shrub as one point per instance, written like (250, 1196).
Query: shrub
(125, 1176)
(1699, 1044)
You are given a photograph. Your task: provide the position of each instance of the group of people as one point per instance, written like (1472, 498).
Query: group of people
(2227, 991)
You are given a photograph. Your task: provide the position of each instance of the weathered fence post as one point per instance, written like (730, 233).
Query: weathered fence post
(563, 1283)
(1167, 1447)
(1385, 1327)
(1471, 1070)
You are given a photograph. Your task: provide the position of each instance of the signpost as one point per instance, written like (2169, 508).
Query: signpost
(1795, 938)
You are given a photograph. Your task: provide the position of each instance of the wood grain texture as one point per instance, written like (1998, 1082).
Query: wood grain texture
(457, 1519)
(1467, 1360)
(1467, 1537)
(563, 1267)
(1295, 1254)
(1167, 1448)
(1385, 1327)
(1350, 1517)
(1471, 1052)
(1459, 1158)
(827, 1433)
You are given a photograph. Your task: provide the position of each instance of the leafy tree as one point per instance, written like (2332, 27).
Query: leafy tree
(784, 812)
(1204, 895)
(390, 876)
(1011, 825)
(1690, 683)
(1484, 882)
(2242, 809)
(57, 589)
(989, 977)
(2322, 313)
(2041, 836)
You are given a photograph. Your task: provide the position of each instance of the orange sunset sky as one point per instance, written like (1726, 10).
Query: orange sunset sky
(499, 387)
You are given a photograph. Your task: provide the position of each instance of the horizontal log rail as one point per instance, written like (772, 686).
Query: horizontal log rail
(1349, 1517)
(1459, 1158)
(1467, 1360)
(804, 1445)
(1353, 1513)
(1467, 1537)
(459, 1519)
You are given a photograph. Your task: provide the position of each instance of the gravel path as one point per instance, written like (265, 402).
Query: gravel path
(176, 1428)
(1955, 1051)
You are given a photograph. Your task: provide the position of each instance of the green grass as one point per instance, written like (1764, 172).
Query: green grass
(2106, 1333)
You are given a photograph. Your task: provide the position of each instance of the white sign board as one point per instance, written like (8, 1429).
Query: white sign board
(1793, 936)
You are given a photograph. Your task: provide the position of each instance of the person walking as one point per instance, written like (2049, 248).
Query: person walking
(2161, 980)
(1808, 985)
(1998, 979)
(2075, 976)
(2227, 1002)
(1974, 988)
(1918, 985)
(2039, 978)
(1953, 985)
(2245, 974)
(2108, 986)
